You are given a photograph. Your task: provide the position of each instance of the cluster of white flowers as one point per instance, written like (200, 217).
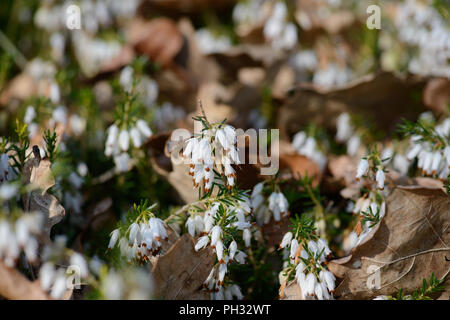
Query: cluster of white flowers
(366, 168)
(20, 235)
(213, 228)
(209, 43)
(308, 259)
(345, 132)
(423, 27)
(307, 146)
(281, 33)
(370, 207)
(225, 292)
(214, 148)
(275, 205)
(433, 159)
(118, 142)
(143, 241)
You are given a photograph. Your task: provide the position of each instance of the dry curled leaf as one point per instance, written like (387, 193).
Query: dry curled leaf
(436, 95)
(409, 244)
(21, 87)
(309, 103)
(180, 272)
(300, 166)
(15, 286)
(159, 39)
(37, 173)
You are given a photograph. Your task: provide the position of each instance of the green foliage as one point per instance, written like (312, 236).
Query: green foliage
(51, 147)
(427, 289)
(425, 131)
(303, 228)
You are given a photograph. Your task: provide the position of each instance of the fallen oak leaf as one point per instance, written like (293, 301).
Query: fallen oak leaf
(406, 246)
(180, 272)
(37, 173)
(159, 39)
(15, 286)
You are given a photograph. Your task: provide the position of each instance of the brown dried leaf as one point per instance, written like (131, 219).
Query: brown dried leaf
(21, 87)
(15, 286)
(309, 103)
(291, 292)
(408, 245)
(299, 166)
(159, 39)
(37, 172)
(436, 95)
(180, 273)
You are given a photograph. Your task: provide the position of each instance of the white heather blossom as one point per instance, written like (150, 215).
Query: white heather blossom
(47, 275)
(112, 147)
(143, 240)
(114, 236)
(30, 114)
(320, 287)
(214, 149)
(124, 140)
(431, 160)
(344, 127)
(380, 179)
(353, 145)
(122, 161)
(6, 171)
(8, 190)
(78, 260)
(247, 236)
(362, 169)
(142, 126)
(275, 205)
(216, 234)
(202, 242)
(294, 248)
(59, 285)
(286, 239)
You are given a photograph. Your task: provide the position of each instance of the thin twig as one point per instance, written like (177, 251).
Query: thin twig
(387, 263)
(203, 111)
